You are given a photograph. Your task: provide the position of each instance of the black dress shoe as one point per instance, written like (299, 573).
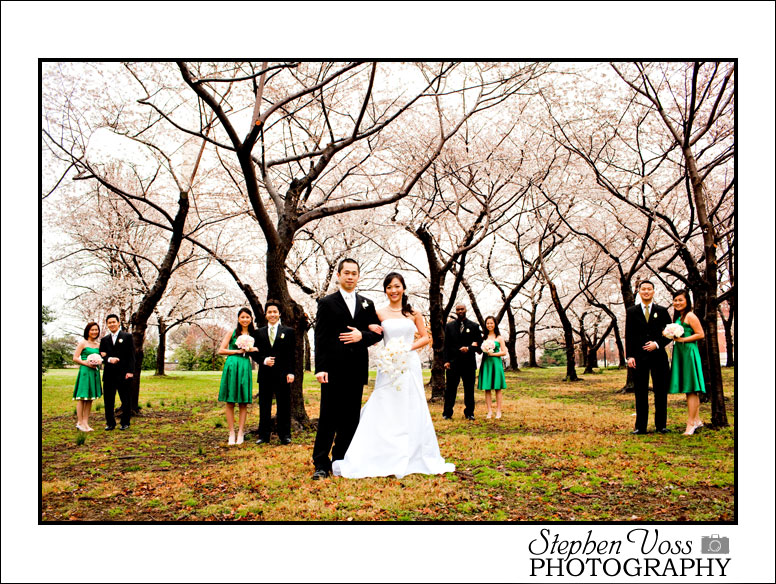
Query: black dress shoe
(109, 428)
(447, 417)
(320, 474)
(639, 432)
(470, 418)
(285, 440)
(664, 431)
(262, 441)
(124, 427)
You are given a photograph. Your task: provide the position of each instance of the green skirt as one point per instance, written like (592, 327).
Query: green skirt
(686, 369)
(492, 374)
(87, 384)
(236, 380)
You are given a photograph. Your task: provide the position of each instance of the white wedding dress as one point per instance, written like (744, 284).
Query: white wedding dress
(395, 434)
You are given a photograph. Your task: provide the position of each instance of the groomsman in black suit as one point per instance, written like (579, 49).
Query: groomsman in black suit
(276, 372)
(342, 337)
(645, 349)
(462, 343)
(118, 354)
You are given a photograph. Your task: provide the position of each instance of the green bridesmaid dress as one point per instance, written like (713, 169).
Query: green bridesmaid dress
(492, 371)
(686, 369)
(87, 384)
(236, 378)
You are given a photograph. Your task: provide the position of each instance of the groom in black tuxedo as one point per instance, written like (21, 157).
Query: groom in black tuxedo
(118, 353)
(276, 372)
(645, 348)
(342, 337)
(462, 343)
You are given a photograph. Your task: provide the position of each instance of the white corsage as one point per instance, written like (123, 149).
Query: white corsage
(392, 360)
(673, 331)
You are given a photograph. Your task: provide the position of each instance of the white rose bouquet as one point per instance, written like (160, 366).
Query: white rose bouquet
(94, 359)
(392, 360)
(244, 342)
(488, 347)
(673, 331)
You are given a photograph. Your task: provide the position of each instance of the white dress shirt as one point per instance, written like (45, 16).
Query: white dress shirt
(350, 300)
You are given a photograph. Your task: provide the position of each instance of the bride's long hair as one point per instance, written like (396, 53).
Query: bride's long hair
(406, 309)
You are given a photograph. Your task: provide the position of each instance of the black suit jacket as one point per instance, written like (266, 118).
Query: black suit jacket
(349, 363)
(638, 331)
(454, 340)
(283, 350)
(124, 349)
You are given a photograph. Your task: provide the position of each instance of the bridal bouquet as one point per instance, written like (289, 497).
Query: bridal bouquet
(673, 331)
(392, 360)
(94, 359)
(244, 342)
(488, 347)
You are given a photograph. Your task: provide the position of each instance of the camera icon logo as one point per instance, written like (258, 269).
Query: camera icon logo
(715, 544)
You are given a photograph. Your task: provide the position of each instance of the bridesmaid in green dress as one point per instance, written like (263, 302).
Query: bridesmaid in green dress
(686, 370)
(87, 384)
(492, 369)
(237, 375)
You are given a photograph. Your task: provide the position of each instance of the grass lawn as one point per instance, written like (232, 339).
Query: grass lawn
(562, 452)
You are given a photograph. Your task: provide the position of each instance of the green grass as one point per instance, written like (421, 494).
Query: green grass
(562, 452)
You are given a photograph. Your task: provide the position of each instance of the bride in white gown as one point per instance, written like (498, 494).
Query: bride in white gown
(395, 434)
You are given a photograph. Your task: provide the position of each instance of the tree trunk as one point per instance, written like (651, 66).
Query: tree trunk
(591, 360)
(162, 348)
(308, 361)
(532, 337)
(293, 316)
(628, 299)
(620, 348)
(154, 295)
(730, 360)
(568, 333)
(437, 323)
(585, 345)
(718, 412)
(512, 342)
(138, 338)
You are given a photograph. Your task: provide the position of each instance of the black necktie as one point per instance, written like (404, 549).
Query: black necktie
(460, 328)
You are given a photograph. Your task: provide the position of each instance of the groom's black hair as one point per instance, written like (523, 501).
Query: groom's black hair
(107, 318)
(347, 261)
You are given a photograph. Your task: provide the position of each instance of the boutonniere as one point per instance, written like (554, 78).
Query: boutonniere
(121, 340)
(654, 314)
(282, 335)
(365, 304)
(467, 330)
